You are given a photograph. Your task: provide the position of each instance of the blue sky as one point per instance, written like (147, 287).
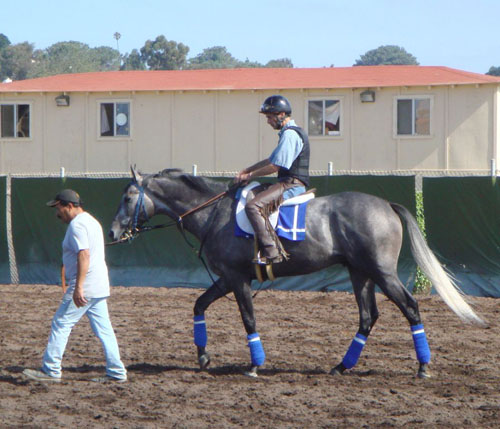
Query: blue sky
(312, 33)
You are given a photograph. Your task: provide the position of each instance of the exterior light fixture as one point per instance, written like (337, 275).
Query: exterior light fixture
(62, 100)
(367, 96)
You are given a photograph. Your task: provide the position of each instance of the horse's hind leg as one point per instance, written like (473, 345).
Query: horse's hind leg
(213, 293)
(364, 290)
(397, 293)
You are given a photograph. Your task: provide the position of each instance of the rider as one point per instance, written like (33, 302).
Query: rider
(290, 159)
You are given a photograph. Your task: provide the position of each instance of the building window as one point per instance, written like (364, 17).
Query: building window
(323, 117)
(115, 119)
(15, 121)
(413, 116)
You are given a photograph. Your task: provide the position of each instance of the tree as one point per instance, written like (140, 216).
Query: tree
(386, 55)
(4, 41)
(162, 54)
(74, 57)
(494, 71)
(64, 57)
(133, 61)
(249, 64)
(280, 63)
(106, 58)
(15, 61)
(216, 57)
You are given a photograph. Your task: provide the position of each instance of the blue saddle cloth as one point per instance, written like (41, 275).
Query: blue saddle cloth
(291, 223)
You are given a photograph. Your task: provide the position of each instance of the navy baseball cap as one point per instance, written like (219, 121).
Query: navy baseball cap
(66, 196)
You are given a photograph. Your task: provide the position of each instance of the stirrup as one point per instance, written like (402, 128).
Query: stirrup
(264, 260)
(260, 261)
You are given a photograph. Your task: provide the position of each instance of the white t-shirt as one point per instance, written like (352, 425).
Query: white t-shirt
(85, 232)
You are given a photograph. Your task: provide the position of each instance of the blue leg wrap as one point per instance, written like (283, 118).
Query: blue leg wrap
(421, 345)
(256, 350)
(354, 351)
(200, 331)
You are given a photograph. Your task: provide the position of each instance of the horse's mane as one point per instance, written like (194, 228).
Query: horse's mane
(203, 184)
(198, 183)
(168, 172)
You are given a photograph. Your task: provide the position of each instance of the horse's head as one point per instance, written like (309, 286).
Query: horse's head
(136, 207)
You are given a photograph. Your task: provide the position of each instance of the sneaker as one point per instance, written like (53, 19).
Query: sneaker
(40, 375)
(108, 379)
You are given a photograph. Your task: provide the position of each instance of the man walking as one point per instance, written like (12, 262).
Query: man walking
(88, 289)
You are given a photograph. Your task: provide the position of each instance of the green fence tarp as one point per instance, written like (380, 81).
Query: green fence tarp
(399, 189)
(37, 233)
(4, 250)
(463, 226)
(161, 257)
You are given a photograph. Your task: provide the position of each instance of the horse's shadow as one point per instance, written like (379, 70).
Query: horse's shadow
(225, 370)
(147, 368)
(144, 368)
(241, 369)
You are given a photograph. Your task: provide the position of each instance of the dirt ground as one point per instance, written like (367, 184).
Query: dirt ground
(304, 335)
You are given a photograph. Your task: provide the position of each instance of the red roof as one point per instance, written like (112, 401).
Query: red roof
(250, 78)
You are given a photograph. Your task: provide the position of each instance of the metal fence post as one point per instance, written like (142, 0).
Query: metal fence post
(14, 276)
(330, 168)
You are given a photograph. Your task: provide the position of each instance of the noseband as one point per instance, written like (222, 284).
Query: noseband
(139, 206)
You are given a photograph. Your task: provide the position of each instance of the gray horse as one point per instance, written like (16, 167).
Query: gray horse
(362, 232)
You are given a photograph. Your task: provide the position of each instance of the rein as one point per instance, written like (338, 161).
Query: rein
(205, 204)
(129, 235)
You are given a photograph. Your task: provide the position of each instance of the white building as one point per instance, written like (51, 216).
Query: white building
(383, 118)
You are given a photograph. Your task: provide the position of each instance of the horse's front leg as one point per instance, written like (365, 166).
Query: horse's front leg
(213, 293)
(243, 294)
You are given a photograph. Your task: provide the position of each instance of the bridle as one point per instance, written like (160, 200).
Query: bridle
(139, 206)
(135, 229)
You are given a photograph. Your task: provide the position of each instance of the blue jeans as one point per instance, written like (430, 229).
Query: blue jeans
(67, 316)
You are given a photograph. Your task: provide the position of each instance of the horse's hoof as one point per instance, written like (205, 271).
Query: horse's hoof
(423, 374)
(204, 360)
(252, 373)
(423, 371)
(338, 370)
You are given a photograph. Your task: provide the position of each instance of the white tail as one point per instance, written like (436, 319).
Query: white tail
(447, 289)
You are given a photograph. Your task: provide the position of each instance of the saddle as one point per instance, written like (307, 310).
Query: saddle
(288, 221)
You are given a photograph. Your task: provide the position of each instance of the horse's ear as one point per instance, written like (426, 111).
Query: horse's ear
(136, 175)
